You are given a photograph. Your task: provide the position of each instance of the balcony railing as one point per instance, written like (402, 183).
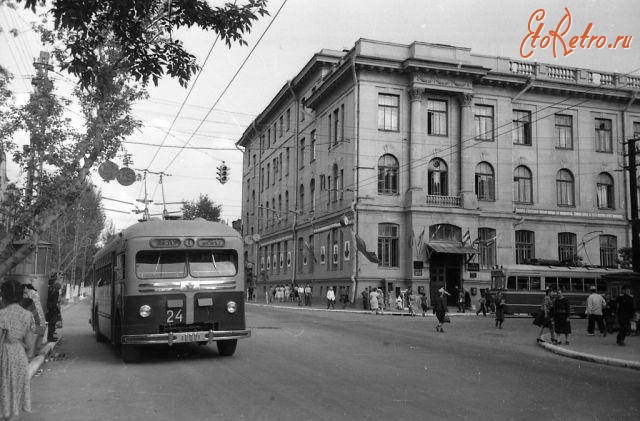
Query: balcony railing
(443, 201)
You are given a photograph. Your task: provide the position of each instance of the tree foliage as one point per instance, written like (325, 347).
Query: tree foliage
(144, 30)
(202, 208)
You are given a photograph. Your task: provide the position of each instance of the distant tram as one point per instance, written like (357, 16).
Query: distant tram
(168, 282)
(525, 285)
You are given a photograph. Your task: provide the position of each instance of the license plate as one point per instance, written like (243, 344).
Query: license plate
(190, 337)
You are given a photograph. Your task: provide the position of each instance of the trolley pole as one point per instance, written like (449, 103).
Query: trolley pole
(633, 198)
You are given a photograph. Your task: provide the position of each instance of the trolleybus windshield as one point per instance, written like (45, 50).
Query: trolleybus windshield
(175, 264)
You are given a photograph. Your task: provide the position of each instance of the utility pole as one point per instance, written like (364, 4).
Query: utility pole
(633, 197)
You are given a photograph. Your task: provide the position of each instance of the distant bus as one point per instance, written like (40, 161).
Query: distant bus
(169, 282)
(525, 285)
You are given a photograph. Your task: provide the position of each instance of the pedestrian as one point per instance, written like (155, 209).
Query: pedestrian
(625, 314)
(373, 301)
(300, 295)
(424, 303)
(543, 317)
(412, 303)
(440, 308)
(365, 298)
(501, 306)
(331, 299)
(608, 314)
(381, 300)
(399, 303)
(53, 316)
(16, 339)
(31, 302)
(307, 295)
(344, 298)
(460, 301)
(595, 305)
(561, 314)
(483, 305)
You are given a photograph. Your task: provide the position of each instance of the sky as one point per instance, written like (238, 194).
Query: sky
(236, 84)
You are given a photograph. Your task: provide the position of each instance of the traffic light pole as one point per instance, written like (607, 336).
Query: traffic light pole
(633, 198)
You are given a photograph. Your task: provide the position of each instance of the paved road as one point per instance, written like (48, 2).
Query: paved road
(301, 365)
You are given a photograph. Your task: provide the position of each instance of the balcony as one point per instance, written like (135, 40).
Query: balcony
(443, 201)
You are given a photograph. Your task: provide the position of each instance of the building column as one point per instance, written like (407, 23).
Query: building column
(465, 153)
(415, 147)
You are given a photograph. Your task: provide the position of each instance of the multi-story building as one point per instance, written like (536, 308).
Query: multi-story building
(443, 163)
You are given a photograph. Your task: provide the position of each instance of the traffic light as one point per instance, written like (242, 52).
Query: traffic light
(223, 173)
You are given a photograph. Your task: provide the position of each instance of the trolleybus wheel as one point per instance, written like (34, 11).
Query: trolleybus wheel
(227, 348)
(96, 328)
(130, 353)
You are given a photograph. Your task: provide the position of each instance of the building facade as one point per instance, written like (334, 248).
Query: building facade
(443, 163)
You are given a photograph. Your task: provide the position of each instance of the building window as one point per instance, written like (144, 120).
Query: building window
(608, 251)
(288, 160)
(521, 131)
(437, 174)
(280, 126)
(336, 127)
(312, 147)
(485, 182)
(567, 247)
(302, 141)
(301, 203)
(388, 174)
(261, 178)
(253, 201)
(388, 242)
(341, 186)
(288, 120)
(525, 246)
(342, 122)
(312, 194)
(604, 189)
(437, 117)
(275, 169)
(334, 186)
(445, 232)
(565, 188)
(603, 135)
(486, 247)
(311, 251)
(636, 130)
(564, 131)
(280, 164)
(286, 204)
(522, 185)
(388, 108)
(484, 122)
(268, 175)
(279, 208)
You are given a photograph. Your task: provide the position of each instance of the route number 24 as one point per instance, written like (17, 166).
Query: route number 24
(173, 316)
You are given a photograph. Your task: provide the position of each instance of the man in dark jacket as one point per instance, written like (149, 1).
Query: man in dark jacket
(53, 315)
(625, 313)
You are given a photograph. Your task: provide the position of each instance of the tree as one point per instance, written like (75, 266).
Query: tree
(144, 31)
(115, 48)
(201, 208)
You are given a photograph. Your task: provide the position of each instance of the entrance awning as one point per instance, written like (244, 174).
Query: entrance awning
(451, 247)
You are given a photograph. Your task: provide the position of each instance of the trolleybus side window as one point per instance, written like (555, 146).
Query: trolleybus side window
(511, 283)
(208, 263)
(564, 283)
(534, 283)
(161, 264)
(576, 285)
(523, 283)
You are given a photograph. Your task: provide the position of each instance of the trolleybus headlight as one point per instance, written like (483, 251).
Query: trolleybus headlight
(231, 307)
(145, 311)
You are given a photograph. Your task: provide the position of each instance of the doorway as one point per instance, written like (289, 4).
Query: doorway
(444, 271)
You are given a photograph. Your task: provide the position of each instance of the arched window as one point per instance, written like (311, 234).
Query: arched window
(437, 174)
(301, 202)
(445, 232)
(522, 185)
(565, 188)
(388, 174)
(604, 189)
(312, 194)
(485, 182)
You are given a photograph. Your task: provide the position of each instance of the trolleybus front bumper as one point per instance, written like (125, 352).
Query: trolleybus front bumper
(185, 337)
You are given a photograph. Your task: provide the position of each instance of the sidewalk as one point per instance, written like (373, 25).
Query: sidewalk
(47, 349)
(598, 349)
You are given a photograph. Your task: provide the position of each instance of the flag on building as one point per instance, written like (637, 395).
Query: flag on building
(466, 237)
(362, 248)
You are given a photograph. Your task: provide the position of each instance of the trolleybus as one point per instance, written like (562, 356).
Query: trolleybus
(168, 282)
(525, 285)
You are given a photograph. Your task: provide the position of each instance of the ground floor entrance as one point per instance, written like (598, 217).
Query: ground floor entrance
(445, 270)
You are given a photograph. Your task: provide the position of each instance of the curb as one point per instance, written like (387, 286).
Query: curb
(38, 360)
(589, 357)
(359, 311)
